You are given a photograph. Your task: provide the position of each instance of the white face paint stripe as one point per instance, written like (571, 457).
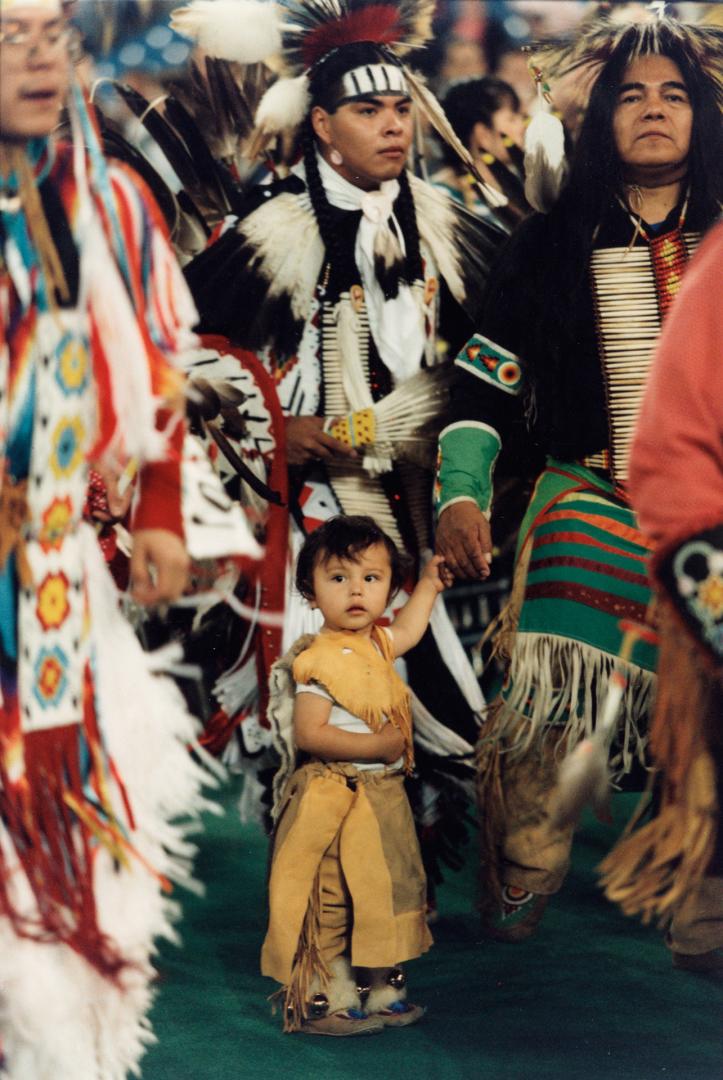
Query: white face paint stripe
(374, 80)
(12, 7)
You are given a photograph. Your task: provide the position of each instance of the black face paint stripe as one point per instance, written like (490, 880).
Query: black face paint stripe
(353, 99)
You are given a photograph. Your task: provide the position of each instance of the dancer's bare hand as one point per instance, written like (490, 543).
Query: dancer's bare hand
(306, 440)
(464, 541)
(159, 566)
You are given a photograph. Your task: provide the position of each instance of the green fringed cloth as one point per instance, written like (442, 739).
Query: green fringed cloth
(581, 567)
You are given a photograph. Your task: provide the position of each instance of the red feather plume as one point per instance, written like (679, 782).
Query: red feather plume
(378, 23)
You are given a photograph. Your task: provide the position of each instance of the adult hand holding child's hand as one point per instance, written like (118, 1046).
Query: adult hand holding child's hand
(437, 573)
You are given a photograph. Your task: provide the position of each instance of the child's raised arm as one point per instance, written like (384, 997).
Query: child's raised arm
(412, 620)
(314, 734)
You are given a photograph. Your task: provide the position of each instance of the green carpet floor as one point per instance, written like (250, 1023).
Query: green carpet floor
(592, 997)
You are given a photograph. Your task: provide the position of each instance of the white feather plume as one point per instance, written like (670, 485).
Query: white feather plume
(283, 106)
(247, 31)
(545, 162)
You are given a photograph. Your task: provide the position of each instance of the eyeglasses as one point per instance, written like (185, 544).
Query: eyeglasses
(22, 44)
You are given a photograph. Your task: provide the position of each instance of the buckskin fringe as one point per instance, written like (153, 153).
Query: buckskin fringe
(491, 811)
(651, 871)
(308, 963)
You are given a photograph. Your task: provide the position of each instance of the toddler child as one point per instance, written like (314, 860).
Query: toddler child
(347, 890)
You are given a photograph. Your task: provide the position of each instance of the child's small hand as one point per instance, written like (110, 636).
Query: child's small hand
(391, 744)
(437, 573)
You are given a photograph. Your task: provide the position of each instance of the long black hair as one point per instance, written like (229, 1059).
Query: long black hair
(596, 176)
(325, 90)
(543, 269)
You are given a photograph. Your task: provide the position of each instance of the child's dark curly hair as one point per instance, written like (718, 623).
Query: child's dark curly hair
(345, 537)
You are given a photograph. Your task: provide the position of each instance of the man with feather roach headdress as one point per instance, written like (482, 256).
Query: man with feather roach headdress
(570, 320)
(337, 277)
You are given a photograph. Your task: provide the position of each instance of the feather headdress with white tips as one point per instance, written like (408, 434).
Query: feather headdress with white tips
(612, 34)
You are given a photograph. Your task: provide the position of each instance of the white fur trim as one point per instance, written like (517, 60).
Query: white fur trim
(435, 220)
(341, 990)
(242, 30)
(381, 997)
(290, 251)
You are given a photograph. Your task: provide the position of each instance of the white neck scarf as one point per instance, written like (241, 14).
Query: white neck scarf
(397, 325)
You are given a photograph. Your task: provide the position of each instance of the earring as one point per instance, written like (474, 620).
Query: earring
(336, 158)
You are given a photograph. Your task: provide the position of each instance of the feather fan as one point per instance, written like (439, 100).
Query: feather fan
(222, 98)
(203, 130)
(405, 423)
